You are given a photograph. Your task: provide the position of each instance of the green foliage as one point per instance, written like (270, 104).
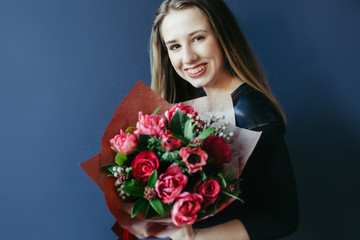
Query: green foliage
(133, 188)
(156, 110)
(154, 144)
(188, 130)
(203, 175)
(180, 137)
(212, 208)
(120, 158)
(222, 180)
(233, 196)
(143, 142)
(140, 205)
(152, 179)
(130, 130)
(170, 156)
(110, 167)
(207, 132)
(178, 121)
(157, 206)
(150, 212)
(228, 175)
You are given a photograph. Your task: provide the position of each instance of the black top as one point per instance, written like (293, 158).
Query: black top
(268, 188)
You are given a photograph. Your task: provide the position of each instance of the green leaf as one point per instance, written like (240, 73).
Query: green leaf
(204, 134)
(135, 191)
(177, 123)
(140, 205)
(158, 206)
(180, 137)
(110, 167)
(156, 110)
(150, 212)
(188, 130)
(223, 182)
(228, 175)
(152, 179)
(212, 208)
(203, 175)
(170, 156)
(230, 195)
(130, 129)
(167, 208)
(120, 158)
(143, 142)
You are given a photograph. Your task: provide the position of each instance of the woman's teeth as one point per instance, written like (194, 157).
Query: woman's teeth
(196, 70)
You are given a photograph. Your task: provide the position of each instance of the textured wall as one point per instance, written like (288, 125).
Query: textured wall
(65, 65)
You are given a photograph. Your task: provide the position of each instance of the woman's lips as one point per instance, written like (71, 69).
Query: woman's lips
(196, 71)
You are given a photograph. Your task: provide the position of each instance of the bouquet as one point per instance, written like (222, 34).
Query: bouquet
(172, 167)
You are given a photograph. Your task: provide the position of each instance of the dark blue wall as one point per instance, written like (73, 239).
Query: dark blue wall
(65, 65)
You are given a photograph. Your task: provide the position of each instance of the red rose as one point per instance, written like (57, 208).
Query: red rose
(218, 151)
(168, 142)
(144, 164)
(209, 189)
(185, 208)
(170, 184)
(194, 158)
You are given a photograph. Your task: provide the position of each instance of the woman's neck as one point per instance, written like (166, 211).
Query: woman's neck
(224, 87)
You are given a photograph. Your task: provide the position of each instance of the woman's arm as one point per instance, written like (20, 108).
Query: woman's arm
(233, 230)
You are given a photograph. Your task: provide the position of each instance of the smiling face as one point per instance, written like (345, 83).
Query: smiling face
(193, 49)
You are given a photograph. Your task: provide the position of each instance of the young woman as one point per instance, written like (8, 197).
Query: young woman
(197, 48)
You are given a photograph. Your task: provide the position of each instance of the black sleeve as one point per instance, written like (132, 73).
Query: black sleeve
(269, 180)
(268, 188)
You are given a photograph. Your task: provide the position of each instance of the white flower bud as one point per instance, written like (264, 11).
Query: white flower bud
(114, 169)
(221, 134)
(123, 197)
(228, 138)
(115, 174)
(223, 128)
(231, 134)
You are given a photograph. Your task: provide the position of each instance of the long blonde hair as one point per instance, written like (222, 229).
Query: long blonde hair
(239, 58)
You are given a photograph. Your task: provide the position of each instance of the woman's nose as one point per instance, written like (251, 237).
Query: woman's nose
(189, 55)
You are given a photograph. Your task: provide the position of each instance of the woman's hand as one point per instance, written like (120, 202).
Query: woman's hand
(233, 230)
(184, 233)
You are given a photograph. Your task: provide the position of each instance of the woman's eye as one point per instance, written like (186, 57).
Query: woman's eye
(174, 47)
(198, 38)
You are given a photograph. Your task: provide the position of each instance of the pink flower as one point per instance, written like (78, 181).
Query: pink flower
(170, 143)
(152, 125)
(185, 208)
(182, 107)
(209, 189)
(144, 164)
(194, 158)
(170, 184)
(124, 142)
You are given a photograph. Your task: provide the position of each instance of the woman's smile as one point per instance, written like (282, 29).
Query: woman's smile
(196, 71)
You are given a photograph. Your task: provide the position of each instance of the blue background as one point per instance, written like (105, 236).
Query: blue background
(65, 65)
